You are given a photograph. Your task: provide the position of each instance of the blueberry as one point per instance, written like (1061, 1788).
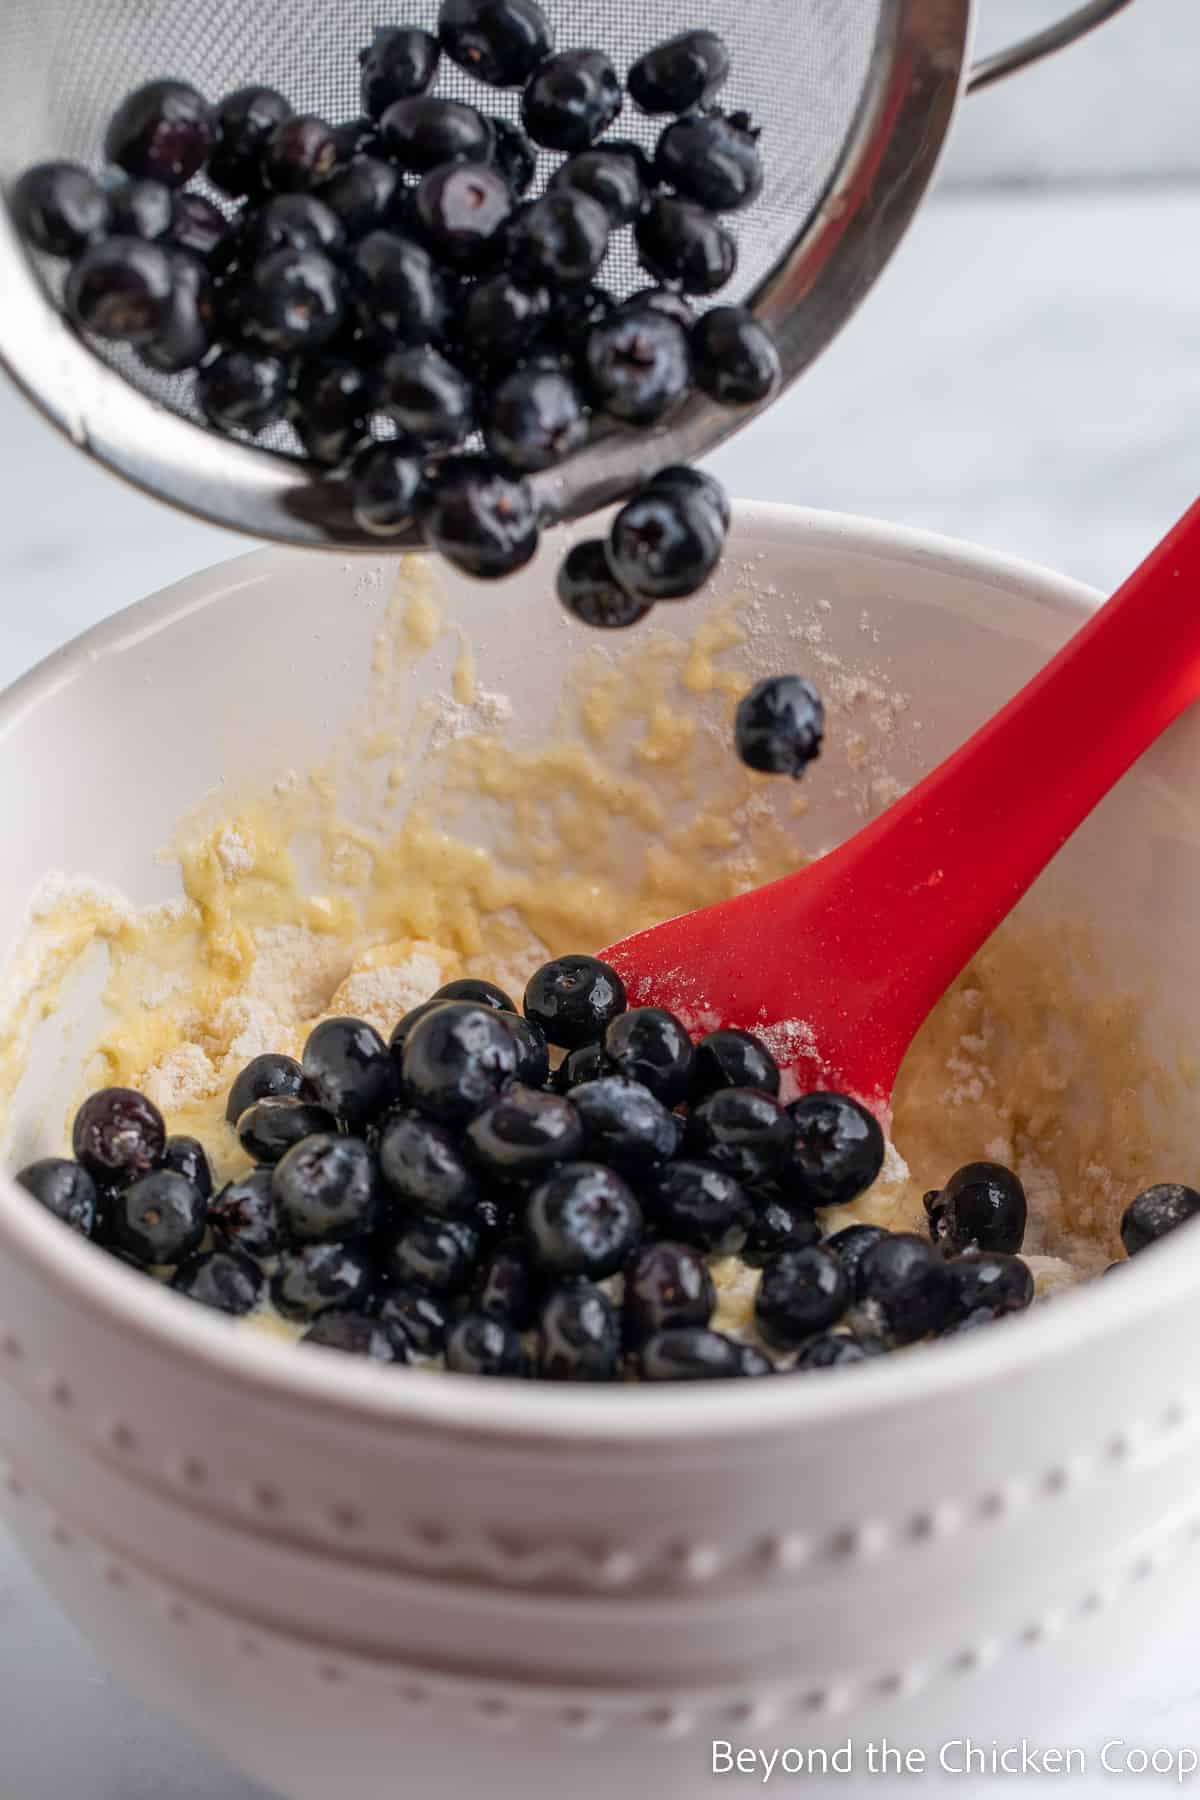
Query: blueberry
(650, 1045)
(163, 131)
(533, 1052)
(118, 1134)
(559, 240)
(679, 74)
(320, 1278)
(680, 242)
(779, 725)
(269, 1128)
(399, 62)
(970, 1322)
(326, 1187)
(501, 42)
(574, 999)
(244, 1216)
(266, 1077)
(700, 1205)
(613, 177)
(500, 319)
(422, 132)
(712, 158)
(121, 288)
(981, 1207)
(347, 1069)
(699, 486)
(481, 1346)
(991, 1281)
(299, 154)
(186, 334)
(850, 1246)
(576, 316)
(494, 1219)
(904, 1279)
(571, 99)
(143, 209)
(400, 1032)
(662, 300)
(427, 397)
(199, 227)
(65, 1189)
(666, 1286)
(423, 1167)
(523, 1133)
(591, 592)
(624, 1125)
(455, 1061)
(693, 1353)
(222, 1280)
(293, 300)
(580, 1335)
(741, 1130)
(481, 519)
(478, 992)
(838, 1148)
(364, 195)
(734, 357)
(514, 155)
(461, 209)
(638, 366)
(290, 222)
(60, 209)
(160, 1218)
(438, 1254)
(420, 1315)
(507, 1286)
(358, 1334)
(801, 1292)
(385, 480)
(535, 418)
(357, 137)
(664, 543)
(245, 120)
(243, 390)
(583, 1220)
(731, 1058)
(1154, 1213)
(332, 401)
(836, 1350)
(778, 1225)
(187, 1157)
(587, 1063)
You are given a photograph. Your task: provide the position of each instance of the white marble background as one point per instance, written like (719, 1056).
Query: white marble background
(1026, 374)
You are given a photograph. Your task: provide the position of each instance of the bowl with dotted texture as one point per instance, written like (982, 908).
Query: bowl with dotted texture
(346, 1576)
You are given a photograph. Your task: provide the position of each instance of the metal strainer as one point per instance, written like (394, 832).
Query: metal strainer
(855, 98)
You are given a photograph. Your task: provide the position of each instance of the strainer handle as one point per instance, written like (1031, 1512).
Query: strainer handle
(1030, 50)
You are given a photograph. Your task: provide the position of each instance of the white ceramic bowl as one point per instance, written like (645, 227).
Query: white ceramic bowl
(356, 1580)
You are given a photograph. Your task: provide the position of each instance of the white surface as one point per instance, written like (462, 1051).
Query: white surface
(1026, 375)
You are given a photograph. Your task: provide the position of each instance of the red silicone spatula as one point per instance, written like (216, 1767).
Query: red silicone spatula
(862, 943)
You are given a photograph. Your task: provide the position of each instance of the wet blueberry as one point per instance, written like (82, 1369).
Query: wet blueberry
(1153, 1215)
(624, 1125)
(801, 1292)
(480, 518)
(358, 1334)
(222, 1280)
(399, 62)
(693, 1353)
(903, 1279)
(663, 300)
(501, 42)
(481, 1346)
(837, 1350)
(60, 209)
(731, 1058)
(838, 1148)
(347, 1069)
(734, 357)
(494, 1219)
(981, 1207)
(243, 390)
(741, 1130)
(583, 1220)
(364, 195)
(332, 400)
(779, 725)
(666, 1286)
(187, 1157)
(699, 486)
(162, 131)
(385, 482)
(701, 1205)
(580, 1336)
(400, 1031)
(320, 1278)
(290, 222)
(559, 240)
(613, 177)
(437, 1254)
(681, 242)
(65, 1189)
(429, 399)
(535, 418)
(186, 334)
(118, 1134)
(508, 1285)
(356, 138)
(501, 319)
(299, 154)
(245, 120)
(533, 1052)
(850, 1246)
(142, 209)
(200, 228)
(638, 365)
(478, 992)
(326, 1188)
(591, 593)
(679, 74)
(514, 155)
(121, 288)
(423, 132)
(160, 1218)
(571, 99)
(712, 158)
(778, 1225)
(423, 1167)
(422, 1317)
(460, 209)
(524, 1132)
(665, 542)
(244, 1216)
(650, 1045)
(293, 300)
(269, 1128)
(990, 1280)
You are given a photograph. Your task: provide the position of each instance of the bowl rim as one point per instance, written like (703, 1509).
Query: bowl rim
(517, 1411)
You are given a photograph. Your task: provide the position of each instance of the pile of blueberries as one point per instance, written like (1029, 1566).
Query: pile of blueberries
(447, 1197)
(395, 269)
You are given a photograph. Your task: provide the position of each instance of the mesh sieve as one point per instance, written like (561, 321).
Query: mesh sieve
(854, 98)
